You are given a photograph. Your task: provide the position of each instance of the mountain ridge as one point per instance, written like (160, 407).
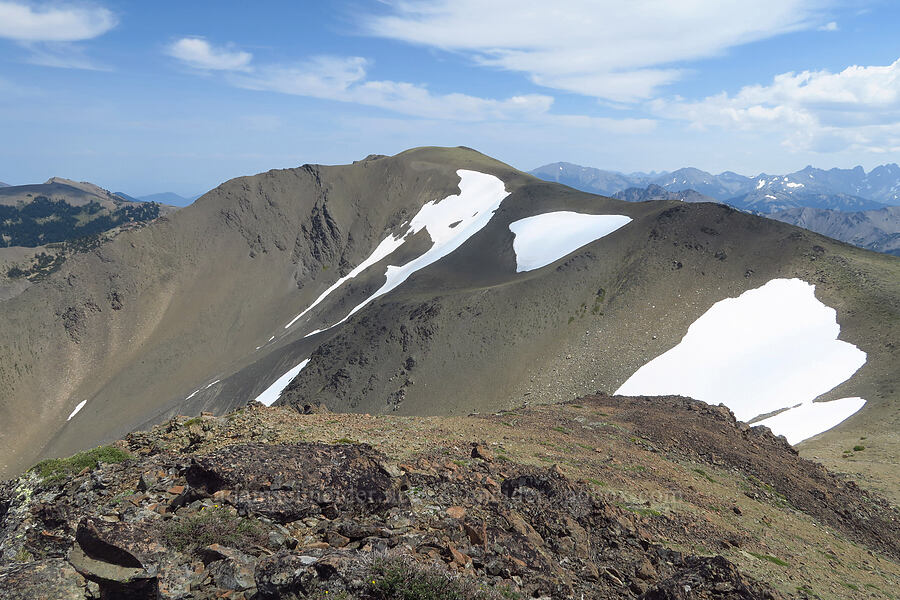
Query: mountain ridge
(879, 186)
(203, 298)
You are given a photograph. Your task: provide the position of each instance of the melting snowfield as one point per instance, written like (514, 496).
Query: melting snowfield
(449, 222)
(543, 239)
(771, 348)
(271, 393)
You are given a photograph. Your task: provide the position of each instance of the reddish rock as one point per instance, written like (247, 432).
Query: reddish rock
(457, 512)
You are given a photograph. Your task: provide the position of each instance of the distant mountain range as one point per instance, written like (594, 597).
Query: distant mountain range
(836, 189)
(877, 230)
(655, 192)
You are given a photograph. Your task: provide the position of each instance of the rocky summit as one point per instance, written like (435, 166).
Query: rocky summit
(270, 503)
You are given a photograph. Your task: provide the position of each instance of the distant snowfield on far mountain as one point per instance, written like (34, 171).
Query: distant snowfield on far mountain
(771, 348)
(544, 239)
(449, 222)
(271, 393)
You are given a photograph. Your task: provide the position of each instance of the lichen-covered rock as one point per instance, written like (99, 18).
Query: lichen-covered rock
(51, 578)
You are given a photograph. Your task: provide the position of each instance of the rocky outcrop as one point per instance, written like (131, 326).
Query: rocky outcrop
(256, 520)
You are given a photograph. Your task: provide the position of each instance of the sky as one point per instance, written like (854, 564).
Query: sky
(143, 97)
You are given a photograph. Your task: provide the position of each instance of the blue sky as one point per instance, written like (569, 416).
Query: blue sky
(180, 96)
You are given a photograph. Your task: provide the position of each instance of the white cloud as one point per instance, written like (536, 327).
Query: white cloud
(857, 108)
(830, 26)
(53, 23)
(200, 54)
(609, 49)
(344, 79)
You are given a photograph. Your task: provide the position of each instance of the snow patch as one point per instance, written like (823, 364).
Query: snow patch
(78, 407)
(760, 183)
(544, 239)
(771, 348)
(271, 393)
(449, 223)
(387, 245)
(791, 184)
(807, 420)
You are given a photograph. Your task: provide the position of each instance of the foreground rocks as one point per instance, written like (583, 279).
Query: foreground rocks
(258, 520)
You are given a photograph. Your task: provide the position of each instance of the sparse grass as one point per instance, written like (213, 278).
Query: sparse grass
(23, 556)
(403, 579)
(771, 559)
(213, 526)
(193, 421)
(345, 440)
(56, 469)
(704, 474)
(850, 586)
(503, 458)
(571, 319)
(562, 430)
(596, 482)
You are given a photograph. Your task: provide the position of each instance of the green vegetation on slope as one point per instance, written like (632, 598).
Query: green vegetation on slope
(54, 469)
(45, 221)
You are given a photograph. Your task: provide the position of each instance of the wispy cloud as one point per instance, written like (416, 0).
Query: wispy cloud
(198, 53)
(345, 79)
(857, 108)
(61, 55)
(53, 23)
(610, 49)
(830, 26)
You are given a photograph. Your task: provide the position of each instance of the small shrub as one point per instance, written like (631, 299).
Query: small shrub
(213, 526)
(858, 448)
(193, 421)
(704, 474)
(56, 469)
(771, 559)
(403, 579)
(345, 440)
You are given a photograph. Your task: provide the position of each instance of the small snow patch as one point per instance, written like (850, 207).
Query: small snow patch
(271, 393)
(77, 408)
(544, 239)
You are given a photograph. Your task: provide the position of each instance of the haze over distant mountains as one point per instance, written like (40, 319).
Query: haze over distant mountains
(837, 189)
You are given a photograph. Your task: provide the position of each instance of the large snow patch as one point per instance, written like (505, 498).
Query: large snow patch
(271, 393)
(771, 348)
(449, 222)
(543, 239)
